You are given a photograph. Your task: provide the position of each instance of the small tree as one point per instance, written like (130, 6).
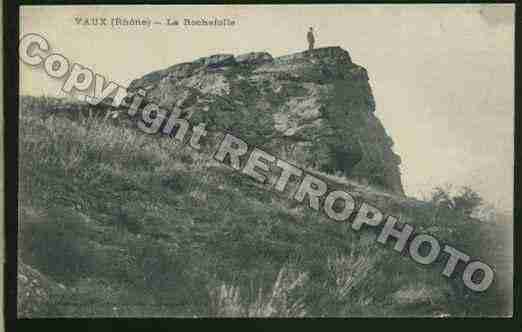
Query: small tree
(441, 197)
(465, 201)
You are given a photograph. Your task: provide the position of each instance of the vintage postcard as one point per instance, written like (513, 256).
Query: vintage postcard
(265, 161)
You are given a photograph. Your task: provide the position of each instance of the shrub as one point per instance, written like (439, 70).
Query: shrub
(349, 271)
(226, 300)
(464, 202)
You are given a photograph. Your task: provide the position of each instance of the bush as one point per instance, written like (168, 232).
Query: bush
(226, 301)
(463, 202)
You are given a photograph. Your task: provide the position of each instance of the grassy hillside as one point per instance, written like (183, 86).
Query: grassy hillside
(129, 224)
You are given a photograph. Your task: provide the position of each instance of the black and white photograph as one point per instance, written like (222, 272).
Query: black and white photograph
(265, 161)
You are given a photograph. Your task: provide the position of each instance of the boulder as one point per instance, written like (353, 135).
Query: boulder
(254, 58)
(35, 292)
(216, 60)
(314, 108)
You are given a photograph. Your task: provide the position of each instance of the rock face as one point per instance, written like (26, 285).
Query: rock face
(315, 109)
(34, 292)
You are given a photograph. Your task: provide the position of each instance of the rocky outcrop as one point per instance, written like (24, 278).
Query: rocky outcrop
(315, 109)
(35, 292)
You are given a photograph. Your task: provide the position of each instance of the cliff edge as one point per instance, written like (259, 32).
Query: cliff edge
(315, 109)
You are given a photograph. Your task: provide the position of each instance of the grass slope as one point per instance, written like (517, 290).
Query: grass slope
(136, 225)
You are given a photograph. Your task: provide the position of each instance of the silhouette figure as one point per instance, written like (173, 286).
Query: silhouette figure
(311, 39)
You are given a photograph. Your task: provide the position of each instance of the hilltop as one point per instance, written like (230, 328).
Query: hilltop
(116, 222)
(315, 109)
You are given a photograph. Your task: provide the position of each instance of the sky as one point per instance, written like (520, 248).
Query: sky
(442, 75)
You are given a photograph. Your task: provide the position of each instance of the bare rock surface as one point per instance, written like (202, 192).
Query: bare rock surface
(35, 292)
(315, 109)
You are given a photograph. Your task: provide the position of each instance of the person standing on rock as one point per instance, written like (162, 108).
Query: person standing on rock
(311, 39)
